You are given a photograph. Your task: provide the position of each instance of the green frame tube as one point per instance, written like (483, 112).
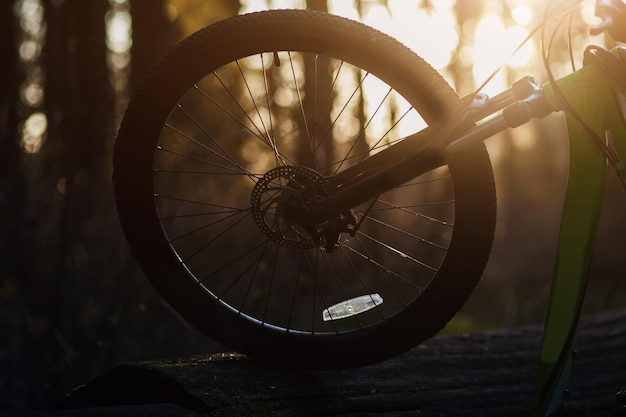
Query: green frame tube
(589, 93)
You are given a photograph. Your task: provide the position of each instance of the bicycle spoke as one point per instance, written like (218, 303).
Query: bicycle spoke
(229, 160)
(358, 277)
(206, 134)
(272, 275)
(270, 134)
(203, 161)
(317, 292)
(232, 262)
(265, 132)
(258, 133)
(342, 109)
(292, 305)
(361, 134)
(406, 233)
(268, 244)
(211, 241)
(382, 270)
(419, 215)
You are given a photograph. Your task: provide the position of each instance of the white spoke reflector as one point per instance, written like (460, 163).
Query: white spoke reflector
(352, 307)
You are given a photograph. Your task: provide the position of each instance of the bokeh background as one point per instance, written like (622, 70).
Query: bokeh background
(73, 302)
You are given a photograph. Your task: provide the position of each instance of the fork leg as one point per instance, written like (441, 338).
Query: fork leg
(579, 224)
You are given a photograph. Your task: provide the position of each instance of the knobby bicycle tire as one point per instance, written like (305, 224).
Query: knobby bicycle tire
(206, 180)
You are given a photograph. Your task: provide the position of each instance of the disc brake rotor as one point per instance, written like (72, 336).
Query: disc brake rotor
(278, 205)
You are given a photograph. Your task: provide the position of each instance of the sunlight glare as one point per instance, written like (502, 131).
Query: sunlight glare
(489, 48)
(32, 94)
(378, 17)
(588, 13)
(344, 9)
(119, 27)
(32, 91)
(494, 45)
(522, 15)
(431, 34)
(31, 14)
(251, 6)
(33, 132)
(29, 50)
(515, 35)
(524, 137)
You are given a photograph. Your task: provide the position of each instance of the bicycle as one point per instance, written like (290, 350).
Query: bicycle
(294, 218)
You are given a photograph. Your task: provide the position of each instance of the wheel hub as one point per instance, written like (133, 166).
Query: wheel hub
(280, 200)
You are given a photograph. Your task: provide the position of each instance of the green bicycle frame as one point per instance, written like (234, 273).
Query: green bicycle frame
(590, 95)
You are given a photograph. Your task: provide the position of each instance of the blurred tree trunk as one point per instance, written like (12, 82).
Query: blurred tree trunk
(159, 24)
(9, 94)
(317, 76)
(467, 14)
(12, 191)
(319, 5)
(153, 34)
(79, 104)
(12, 199)
(79, 101)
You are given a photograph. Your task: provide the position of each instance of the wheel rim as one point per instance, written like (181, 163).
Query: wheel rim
(220, 142)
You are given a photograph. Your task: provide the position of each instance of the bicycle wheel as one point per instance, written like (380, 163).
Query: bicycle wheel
(249, 120)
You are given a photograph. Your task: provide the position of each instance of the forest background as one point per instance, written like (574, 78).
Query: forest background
(73, 302)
